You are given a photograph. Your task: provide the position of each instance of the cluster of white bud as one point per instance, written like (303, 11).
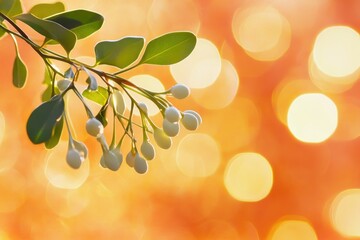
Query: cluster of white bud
(138, 159)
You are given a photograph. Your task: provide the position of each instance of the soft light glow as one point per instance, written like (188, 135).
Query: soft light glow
(201, 68)
(147, 82)
(195, 161)
(66, 202)
(312, 117)
(59, 173)
(337, 51)
(248, 177)
(173, 11)
(222, 92)
(13, 191)
(262, 31)
(345, 213)
(294, 230)
(2, 127)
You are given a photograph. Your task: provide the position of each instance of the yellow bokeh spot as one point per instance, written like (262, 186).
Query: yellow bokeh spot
(248, 177)
(2, 127)
(294, 230)
(59, 173)
(262, 31)
(173, 11)
(337, 51)
(198, 155)
(285, 93)
(312, 117)
(345, 213)
(149, 83)
(201, 68)
(222, 92)
(330, 84)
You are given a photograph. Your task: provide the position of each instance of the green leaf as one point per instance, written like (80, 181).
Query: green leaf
(101, 116)
(44, 10)
(99, 96)
(120, 53)
(43, 119)
(56, 134)
(169, 48)
(50, 30)
(19, 72)
(10, 8)
(81, 22)
(48, 81)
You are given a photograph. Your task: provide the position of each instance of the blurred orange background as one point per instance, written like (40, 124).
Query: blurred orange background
(277, 155)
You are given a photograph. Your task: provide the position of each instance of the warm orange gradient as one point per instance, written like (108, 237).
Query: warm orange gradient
(277, 156)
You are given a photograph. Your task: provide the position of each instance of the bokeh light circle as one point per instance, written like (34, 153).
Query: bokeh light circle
(262, 32)
(150, 83)
(337, 51)
(198, 155)
(222, 92)
(2, 127)
(293, 229)
(201, 68)
(312, 117)
(59, 173)
(345, 213)
(248, 177)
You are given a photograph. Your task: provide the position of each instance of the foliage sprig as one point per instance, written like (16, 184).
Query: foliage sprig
(46, 122)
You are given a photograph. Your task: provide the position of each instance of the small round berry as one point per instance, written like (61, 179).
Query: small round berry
(189, 121)
(172, 114)
(118, 102)
(63, 84)
(198, 117)
(180, 91)
(94, 127)
(161, 139)
(130, 159)
(147, 150)
(140, 164)
(143, 107)
(112, 161)
(74, 158)
(171, 129)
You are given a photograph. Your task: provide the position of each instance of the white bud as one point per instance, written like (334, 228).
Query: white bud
(102, 162)
(94, 127)
(171, 129)
(63, 84)
(74, 158)
(147, 150)
(189, 121)
(180, 91)
(140, 165)
(130, 159)
(172, 114)
(198, 117)
(143, 107)
(81, 148)
(161, 139)
(112, 160)
(118, 102)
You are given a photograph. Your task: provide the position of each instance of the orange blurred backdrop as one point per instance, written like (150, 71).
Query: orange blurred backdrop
(277, 154)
